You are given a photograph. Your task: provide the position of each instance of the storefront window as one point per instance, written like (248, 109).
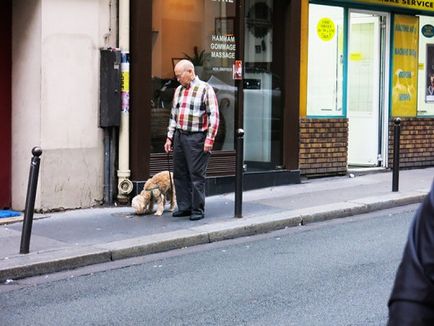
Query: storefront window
(202, 31)
(425, 105)
(326, 59)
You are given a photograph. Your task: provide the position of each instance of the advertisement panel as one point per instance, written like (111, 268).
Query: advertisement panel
(405, 65)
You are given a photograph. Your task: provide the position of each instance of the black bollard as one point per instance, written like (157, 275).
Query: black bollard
(30, 200)
(396, 145)
(239, 174)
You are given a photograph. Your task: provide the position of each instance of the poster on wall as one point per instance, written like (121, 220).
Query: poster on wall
(429, 78)
(405, 65)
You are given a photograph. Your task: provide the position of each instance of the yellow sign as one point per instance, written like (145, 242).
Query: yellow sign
(326, 29)
(425, 5)
(356, 56)
(405, 66)
(125, 81)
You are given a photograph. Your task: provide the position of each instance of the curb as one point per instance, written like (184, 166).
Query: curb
(17, 219)
(43, 262)
(50, 261)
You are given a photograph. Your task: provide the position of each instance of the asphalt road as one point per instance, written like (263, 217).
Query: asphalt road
(338, 272)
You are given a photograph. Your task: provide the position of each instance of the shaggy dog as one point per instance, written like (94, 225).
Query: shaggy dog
(157, 189)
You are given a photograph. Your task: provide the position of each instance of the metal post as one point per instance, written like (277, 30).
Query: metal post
(396, 145)
(30, 200)
(239, 174)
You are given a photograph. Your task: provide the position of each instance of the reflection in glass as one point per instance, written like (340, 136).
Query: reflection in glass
(262, 91)
(201, 31)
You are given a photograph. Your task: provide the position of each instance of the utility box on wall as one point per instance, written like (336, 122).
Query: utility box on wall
(110, 88)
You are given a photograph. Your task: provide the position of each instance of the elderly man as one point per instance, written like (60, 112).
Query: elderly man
(193, 125)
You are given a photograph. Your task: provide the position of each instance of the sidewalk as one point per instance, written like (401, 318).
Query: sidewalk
(76, 238)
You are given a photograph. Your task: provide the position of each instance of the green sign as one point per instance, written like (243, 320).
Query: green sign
(428, 30)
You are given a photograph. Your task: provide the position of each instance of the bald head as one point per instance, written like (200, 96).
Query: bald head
(184, 72)
(184, 65)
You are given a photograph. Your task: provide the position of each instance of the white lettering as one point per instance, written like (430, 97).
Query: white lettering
(225, 55)
(223, 38)
(222, 46)
(221, 69)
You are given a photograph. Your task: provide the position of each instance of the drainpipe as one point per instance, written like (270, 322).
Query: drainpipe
(125, 186)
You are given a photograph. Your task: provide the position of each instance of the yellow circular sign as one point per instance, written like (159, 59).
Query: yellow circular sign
(326, 29)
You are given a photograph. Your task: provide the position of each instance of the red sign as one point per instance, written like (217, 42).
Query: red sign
(237, 70)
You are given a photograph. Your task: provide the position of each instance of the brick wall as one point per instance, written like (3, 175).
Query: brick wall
(417, 142)
(323, 147)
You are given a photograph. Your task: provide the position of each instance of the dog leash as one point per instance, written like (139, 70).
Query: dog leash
(170, 175)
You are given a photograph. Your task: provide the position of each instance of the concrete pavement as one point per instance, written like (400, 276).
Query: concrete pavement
(76, 238)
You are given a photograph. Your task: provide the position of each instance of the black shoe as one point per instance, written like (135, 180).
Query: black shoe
(196, 217)
(181, 213)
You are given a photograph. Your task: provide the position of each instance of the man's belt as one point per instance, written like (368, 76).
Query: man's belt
(185, 132)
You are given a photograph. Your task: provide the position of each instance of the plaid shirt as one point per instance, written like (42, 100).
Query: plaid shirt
(195, 109)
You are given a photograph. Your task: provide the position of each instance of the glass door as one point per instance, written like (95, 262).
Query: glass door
(366, 87)
(262, 89)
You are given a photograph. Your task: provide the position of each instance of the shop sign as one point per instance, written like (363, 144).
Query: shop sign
(428, 30)
(425, 5)
(223, 46)
(222, 52)
(405, 65)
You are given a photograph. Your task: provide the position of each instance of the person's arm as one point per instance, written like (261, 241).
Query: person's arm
(172, 122)
(213, 117)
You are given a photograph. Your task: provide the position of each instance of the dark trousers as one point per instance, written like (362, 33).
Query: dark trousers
(407, 313)
(189, 170)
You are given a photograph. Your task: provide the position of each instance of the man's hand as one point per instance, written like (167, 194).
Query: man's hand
(207, 148)
(168, 145)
